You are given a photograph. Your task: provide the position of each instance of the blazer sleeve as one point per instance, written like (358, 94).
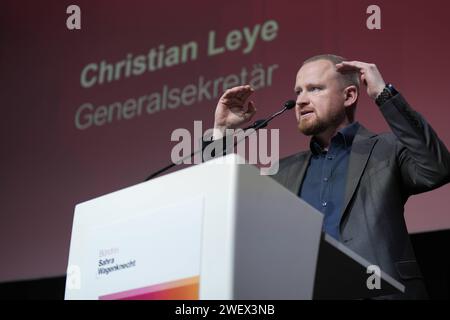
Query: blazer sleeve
(423, 158)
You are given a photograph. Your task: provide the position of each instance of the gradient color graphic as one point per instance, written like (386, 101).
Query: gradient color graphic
(183, 289)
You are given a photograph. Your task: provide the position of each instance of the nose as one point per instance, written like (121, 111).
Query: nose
(302, 99)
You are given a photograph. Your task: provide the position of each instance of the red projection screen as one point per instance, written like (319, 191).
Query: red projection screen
(90, 111)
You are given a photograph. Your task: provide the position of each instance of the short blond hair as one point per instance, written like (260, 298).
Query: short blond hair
(348, 78)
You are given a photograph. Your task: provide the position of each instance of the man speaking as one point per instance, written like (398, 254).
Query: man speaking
(359, 180)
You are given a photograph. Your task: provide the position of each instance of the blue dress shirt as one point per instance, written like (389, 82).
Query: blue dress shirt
(324, 183)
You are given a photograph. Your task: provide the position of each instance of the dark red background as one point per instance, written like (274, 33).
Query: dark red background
(48, 165)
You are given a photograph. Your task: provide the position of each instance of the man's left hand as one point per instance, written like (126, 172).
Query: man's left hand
(370, 75)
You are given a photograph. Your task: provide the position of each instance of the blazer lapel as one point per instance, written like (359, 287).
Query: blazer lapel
(361, 149)
(297, 172)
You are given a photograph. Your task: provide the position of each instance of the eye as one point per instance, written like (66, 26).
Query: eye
(315, 89)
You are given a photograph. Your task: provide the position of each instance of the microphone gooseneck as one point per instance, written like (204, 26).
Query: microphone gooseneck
(258, 124)
(262, 123)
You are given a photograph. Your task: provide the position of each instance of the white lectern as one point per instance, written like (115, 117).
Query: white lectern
(218, 230)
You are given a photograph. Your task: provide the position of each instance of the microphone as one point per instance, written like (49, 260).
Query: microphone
(258, 124)
(262, 123)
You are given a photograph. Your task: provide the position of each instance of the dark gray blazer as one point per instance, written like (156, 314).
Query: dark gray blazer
(384, 170)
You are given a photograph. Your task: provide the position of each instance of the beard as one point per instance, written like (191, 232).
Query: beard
(314, 125)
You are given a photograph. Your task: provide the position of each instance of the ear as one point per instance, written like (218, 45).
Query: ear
(351, 95)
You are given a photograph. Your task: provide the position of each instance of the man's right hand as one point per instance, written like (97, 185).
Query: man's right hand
(233, 110)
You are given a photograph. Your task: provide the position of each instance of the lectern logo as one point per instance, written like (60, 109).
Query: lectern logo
(374, 280)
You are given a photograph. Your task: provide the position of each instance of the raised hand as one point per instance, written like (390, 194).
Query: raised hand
(370, 75)
(233, 110)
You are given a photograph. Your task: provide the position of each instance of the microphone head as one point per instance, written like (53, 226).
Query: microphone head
(289, 104)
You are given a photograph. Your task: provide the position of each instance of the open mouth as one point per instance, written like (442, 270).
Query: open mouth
(306, 113)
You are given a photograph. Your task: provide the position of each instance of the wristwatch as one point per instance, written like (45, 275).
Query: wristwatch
(387, 93)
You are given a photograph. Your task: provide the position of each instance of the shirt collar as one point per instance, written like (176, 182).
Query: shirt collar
(345, 136)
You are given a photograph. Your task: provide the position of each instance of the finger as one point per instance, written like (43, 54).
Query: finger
(355, 64)
(363, 79)
(234, 102)
(251, 108)
(244, 109)
(237, 95)
(235, 92)
(245, 94)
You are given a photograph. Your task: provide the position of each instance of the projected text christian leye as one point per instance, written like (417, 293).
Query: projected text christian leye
(163, 56)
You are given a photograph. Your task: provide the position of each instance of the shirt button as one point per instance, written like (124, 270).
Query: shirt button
(330, 157)
(325, 179)
(324, 204)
